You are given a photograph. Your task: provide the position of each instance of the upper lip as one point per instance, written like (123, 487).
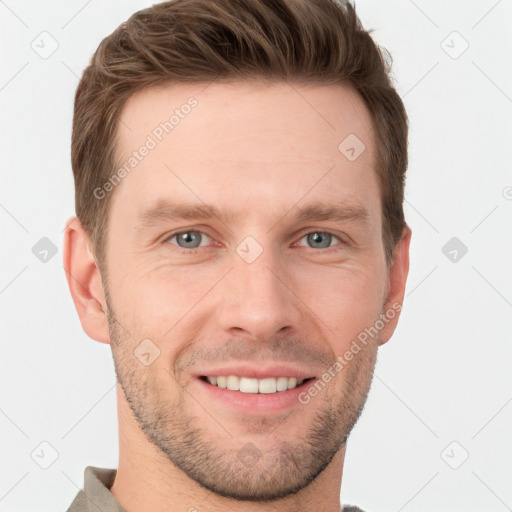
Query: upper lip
(262, 371)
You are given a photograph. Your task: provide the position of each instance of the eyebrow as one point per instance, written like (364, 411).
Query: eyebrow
(164, 210)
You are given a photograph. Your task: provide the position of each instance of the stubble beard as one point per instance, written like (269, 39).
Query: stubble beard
(188, 443)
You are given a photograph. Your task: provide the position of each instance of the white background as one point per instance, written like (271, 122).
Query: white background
(445, 376)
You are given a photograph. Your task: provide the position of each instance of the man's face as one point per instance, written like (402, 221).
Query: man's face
(261, 292)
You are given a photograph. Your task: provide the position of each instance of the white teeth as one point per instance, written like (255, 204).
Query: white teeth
(282, 384)
(248, 385)
(233, 383)
(268, 385)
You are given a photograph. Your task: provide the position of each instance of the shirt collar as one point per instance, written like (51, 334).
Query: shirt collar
(97, 483)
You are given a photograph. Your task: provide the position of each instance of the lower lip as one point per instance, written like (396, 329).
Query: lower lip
(255, 403)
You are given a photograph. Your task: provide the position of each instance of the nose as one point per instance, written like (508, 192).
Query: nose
(259, 300)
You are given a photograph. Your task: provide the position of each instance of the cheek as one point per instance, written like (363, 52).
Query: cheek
(346, 301)
(159, 301)
(153, 301)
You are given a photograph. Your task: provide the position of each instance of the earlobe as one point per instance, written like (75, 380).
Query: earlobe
(84, 281)
(397, 279)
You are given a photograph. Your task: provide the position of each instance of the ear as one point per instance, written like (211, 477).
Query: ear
(84, 281)
(397, 278)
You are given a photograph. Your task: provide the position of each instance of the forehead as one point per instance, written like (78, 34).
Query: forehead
(255, 145)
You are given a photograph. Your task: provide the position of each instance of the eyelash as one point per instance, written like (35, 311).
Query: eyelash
(194, 250)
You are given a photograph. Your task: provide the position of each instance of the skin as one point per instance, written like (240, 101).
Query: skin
(261, 151)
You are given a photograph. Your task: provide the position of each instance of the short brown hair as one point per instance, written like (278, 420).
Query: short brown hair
(307, 41)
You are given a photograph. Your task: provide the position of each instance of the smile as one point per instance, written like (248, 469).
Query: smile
(267, 385)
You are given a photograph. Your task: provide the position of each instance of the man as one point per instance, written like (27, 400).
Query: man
(241, 245)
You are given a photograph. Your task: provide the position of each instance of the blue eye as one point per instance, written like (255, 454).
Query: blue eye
(192, 240)
(319, 239)
(188, 239)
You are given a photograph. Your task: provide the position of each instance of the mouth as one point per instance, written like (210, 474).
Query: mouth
(253, 390)
(250, 385)
(254, 397)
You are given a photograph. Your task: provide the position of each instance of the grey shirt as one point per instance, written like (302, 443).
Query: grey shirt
(96, 496)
